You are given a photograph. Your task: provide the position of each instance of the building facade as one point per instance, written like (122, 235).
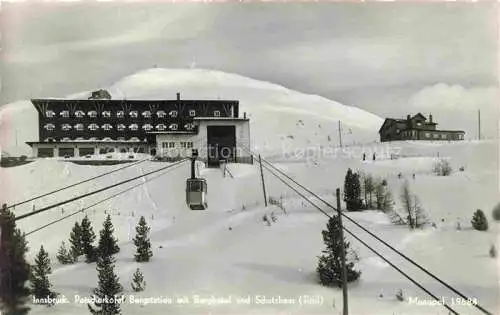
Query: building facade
(416, 128)
(168, 128)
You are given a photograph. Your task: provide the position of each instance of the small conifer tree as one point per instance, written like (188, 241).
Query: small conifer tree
(75, 240)
(40, 284)
(138, 284)
(108, 290)
(142, 242)
(87, 240)
(496, 212)
(352, 191)
(330, 264)
(14, 269)
(64, 256)
(107, 243)
(479, 221)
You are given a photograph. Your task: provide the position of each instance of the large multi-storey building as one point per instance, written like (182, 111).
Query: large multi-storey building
(416, 128)
(171, 128)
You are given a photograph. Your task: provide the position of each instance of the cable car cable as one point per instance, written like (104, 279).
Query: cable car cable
(26, 215)
(362, 242)
(377, 238)
(76, 184)
(101, 201)
(387, 244)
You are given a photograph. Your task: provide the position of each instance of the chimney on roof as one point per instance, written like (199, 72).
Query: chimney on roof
(244, 115)
(178, 96)
(430, 118)
(408, 117)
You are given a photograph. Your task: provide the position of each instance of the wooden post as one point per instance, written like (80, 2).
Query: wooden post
(342, 256)
(263, 183)
(340, 135)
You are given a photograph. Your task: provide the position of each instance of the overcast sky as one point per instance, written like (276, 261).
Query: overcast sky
(381, 57)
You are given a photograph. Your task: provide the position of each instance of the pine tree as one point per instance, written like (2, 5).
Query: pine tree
(40, 284)
(76, 241)
(87, 238)
(352, 191)
(330, 264)
(142, 242)
(138, 284)
(108, 291)
(64, 256)
(107, 243)
(479, 221)
(14, 270)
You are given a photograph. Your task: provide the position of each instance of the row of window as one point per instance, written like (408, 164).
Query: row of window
(443, 136)
(133, 139)
(170, 145)
(121, 114)
(119, 127)
(413, 133)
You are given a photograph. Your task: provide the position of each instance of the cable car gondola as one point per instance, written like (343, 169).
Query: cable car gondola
(196, 188)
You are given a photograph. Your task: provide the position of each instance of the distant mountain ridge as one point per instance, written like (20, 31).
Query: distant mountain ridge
(274, 110)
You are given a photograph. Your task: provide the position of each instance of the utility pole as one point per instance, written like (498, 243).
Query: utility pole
(340, 135)
(263, 183)
(342, 257)
(479, 124)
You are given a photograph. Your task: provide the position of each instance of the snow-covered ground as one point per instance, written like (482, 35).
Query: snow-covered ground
(229, 253)
(195, 252)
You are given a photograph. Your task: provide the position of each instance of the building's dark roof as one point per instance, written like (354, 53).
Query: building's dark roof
(419, 115)
(83, 142)
(403, 122)
(121, 101)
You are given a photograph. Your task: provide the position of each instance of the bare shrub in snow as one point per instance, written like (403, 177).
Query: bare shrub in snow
(442, 167)
(416, 216)
(400, 296)
(493, 251)
(369, 186)
(383, 196)
(496, 212)
(265, 218)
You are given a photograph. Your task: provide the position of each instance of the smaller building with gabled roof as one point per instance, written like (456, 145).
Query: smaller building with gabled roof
(416, 128)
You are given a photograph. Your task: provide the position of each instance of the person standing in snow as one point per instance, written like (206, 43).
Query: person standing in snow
(364, 156)
(374, 156)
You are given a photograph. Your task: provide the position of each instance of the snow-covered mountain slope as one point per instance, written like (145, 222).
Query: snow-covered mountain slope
(228, 251)
(280, 117)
